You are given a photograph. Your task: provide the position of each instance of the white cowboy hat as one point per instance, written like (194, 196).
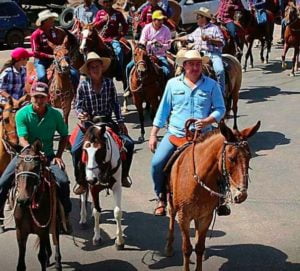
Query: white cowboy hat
(189, 55)
(204, 11)
(92, 56)
(44, 15)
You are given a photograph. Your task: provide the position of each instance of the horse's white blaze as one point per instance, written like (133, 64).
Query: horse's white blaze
(91, 169)
(97, 236)
(85, 34)
(83, 213)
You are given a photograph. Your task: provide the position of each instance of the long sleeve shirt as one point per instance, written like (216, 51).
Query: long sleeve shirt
(210, 30)
(112, 22)
(39, 42)
(163, 36)
(180, 103)
(98, 104)
(227, 9)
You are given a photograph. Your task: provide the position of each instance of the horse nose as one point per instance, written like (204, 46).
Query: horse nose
(241, 196)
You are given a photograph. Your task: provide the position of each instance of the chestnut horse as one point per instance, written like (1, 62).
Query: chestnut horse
(194, 184)
(103, 170)
(263, 32)
(36, 206)
(292, 37)
(146, 83)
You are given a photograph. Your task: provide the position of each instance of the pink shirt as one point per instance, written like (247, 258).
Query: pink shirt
(163, 36)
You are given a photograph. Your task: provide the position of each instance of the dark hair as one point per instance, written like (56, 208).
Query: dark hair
(8, 63)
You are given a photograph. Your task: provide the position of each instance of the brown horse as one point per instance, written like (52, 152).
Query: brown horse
(292, 37)
(194, 184)
(146, 83)
(36, 206)
(263, 32)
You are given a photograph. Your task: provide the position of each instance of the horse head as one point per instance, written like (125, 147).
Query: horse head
(61, 57)
(29, 172)
(291, 14)
(9, 132)
(140, 58)
(235, 157)
(94, 152)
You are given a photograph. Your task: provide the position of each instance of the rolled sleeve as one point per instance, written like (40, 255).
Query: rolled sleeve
(218, 105)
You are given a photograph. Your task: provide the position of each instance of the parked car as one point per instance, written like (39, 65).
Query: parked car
(13, 24)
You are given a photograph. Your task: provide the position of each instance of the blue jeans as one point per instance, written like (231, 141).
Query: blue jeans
(218, 66)
(161, 156)
(61, 179)
(232, 31)
(41, 66)
(128, 69)
(120, 57)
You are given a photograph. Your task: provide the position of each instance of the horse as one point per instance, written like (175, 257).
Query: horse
(146, 83)
(253, 30)
(36, 206)
(101, 156)
(292, 37)
(194, 183)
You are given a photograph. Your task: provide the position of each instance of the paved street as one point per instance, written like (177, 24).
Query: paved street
(261, 234)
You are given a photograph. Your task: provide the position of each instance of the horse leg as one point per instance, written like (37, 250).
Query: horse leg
(262, 59)
(58, 266)
(186, 242)
(22, 240)
(48, 250)
(201, 230)
(83, 213)
(170, 238)
(117, 192)
(96, 215)
(139, 107)
(42, 256)
(285, 49)
(296, 52)
(250, 43)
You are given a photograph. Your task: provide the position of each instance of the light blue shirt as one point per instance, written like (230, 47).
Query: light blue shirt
(180, 103)
(85, 14)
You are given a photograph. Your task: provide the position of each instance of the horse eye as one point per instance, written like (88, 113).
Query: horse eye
(6, 121)
(87, 145)
(232, 159)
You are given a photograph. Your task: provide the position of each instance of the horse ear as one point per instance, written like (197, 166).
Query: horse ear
(248, 132)
(37, 145)
(65, 42)
(227, 132)
(52, 45)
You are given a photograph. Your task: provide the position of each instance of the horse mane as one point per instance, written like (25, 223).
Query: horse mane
(203, 137)
(93, 135)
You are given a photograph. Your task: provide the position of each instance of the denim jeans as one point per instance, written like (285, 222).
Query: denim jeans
(161, 156)
(41, 66)
(61, 179)
(283, 27)
(218, 66)
(128, 69)
(232, 31)
(120, 57)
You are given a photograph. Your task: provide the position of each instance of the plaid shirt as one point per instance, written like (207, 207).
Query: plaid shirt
(227, 9)
(86, 14)
(98, 104)
(13, 82)
(210, 30)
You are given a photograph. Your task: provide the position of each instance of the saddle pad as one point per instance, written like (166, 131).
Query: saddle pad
(119, 143)
(177, 141)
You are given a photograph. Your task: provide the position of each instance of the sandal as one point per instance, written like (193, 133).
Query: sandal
(160, 210)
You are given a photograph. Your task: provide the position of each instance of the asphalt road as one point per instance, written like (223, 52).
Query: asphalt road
(261, 234)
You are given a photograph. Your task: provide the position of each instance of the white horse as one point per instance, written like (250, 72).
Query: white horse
(103, 170)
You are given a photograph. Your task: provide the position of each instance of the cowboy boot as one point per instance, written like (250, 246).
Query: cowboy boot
(126, 182)
(81, 185)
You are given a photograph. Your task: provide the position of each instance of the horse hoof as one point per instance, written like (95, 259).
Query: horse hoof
(292, 74)
(97, 242)
(141, 139)
(120, 246)
(205, 256)
(243, 70)
(83, 226)
(251, 66)
(266, 62)
(124, 110)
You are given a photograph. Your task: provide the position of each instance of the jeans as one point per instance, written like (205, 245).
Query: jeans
(61, 180)
(232, 32)
(128, 69)
(41, 66)
(120, 57)
(76, 152)
(218, 66)
(160, 158)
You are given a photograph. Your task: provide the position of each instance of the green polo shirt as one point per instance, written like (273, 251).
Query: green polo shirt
(32, 127)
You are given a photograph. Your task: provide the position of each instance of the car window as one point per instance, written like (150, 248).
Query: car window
(8, 9)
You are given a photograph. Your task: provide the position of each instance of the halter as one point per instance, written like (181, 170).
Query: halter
(56, 63)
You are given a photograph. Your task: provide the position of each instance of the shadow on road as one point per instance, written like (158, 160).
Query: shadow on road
(108, 265)
(262, 94)
(267, 140)
(252, 257)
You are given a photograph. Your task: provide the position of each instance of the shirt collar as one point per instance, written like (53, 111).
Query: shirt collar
(33, 112)
(15, 70)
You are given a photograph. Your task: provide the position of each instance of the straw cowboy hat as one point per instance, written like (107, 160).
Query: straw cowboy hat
(92, 56)
(189, 55)
(44, 15)
(204, 11)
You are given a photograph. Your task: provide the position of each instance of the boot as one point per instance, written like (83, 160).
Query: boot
(223, 210)
(126, 182)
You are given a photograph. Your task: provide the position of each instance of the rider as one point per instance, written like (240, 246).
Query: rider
(225, 14)
(43, 53)
(13, 76)
(39, 120)
(209, 41)
(108, 21)
(96, 96)
(84, 13)
(190, 95)
(164, 4)
(156, 37)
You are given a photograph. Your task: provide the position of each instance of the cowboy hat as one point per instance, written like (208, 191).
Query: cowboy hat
(189, 55)
(204, 12)
(44, 15)
(92, 56)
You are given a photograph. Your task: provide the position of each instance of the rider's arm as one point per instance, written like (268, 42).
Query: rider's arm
(5, 82)
(23, 142)
(79, 101)
(218, 106)
(117, 108)
(36, 47)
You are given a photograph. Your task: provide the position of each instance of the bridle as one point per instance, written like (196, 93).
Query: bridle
(57, 62)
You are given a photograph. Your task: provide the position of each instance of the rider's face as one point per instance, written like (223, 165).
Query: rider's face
(107, 3)
(193, 68)
(95, 69)
(157, 23)
(39, 101)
